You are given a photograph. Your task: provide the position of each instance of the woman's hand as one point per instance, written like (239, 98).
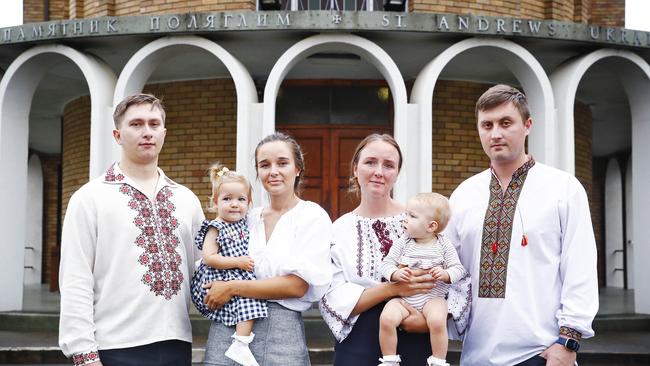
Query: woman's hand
(421, 282)
(415, 321)
(245, 263)
(219, 293)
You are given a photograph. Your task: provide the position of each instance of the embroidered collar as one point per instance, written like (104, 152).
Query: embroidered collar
(114, 175)
(524, 168)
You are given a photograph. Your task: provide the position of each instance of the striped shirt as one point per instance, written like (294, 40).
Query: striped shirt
(437, 253)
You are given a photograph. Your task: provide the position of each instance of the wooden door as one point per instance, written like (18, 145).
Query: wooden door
(327, 152)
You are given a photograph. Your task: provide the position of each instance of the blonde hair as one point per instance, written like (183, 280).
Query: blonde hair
(220, 174)
(439, 206)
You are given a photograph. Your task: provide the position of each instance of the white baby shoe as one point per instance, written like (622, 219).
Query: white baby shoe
(391, 360)
(239, 351)
(434, 361)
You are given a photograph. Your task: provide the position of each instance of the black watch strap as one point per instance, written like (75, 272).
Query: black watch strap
(570, 344)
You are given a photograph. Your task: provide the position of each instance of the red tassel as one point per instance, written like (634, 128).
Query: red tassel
(524, 240)
(494, 247)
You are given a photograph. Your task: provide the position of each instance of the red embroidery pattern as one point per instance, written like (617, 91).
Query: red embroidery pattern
(571, 333)
(384, 237)
(497, 231)
(158, 240)
(110, 175)
(80, 359)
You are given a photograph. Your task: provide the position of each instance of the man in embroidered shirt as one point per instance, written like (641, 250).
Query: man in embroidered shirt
(127, 253)
(524, 232)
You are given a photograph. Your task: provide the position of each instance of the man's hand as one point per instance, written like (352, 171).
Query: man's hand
(401, 275)
(96, 363)
(219, 293)
(246, 263)
(415, 321)
(558, 355)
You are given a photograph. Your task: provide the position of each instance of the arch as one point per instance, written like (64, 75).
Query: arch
(614, 225)
(565, 81)
(635, 79)
(16, 92)
(140, 66)
(525, 68)
(370, 52)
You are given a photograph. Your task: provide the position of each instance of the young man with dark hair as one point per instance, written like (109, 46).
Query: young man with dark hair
(127, 253)
(524, 232)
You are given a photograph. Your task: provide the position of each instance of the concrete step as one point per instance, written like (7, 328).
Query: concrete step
(32, 321)
(624, 348)
(31, 338)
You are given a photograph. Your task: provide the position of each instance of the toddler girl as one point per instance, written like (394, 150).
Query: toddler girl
(224, 243)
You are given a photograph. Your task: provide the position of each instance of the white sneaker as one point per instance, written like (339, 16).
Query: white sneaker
(390, 360)
(434, 361)
(239, 351)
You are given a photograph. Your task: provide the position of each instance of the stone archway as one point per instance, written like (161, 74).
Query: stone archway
(375, 55)
(139, 68)
(525, 68)
(16, 92)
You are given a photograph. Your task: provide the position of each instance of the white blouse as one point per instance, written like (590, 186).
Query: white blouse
(299, 245)
(359, 245)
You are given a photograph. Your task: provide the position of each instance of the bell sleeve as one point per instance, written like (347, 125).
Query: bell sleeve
(306, 253)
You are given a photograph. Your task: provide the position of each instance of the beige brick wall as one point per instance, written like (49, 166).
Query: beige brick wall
(76, 147)
(536, 9)
(603, 12)
(33, 10)
(50, 165)
(457, 151)
(582, 11)
(608, 12)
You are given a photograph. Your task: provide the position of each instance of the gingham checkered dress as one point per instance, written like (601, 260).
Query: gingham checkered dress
(233, 242)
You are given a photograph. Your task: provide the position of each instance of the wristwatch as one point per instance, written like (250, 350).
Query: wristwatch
(570, 344)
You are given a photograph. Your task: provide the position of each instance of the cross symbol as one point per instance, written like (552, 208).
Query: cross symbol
(337, 19)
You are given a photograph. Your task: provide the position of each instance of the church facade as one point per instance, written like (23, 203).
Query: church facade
(328, 73)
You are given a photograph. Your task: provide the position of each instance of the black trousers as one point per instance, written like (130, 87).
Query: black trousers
(165, 353)
(534, 361)
(361, 347)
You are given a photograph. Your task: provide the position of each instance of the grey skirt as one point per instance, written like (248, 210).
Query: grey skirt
(279, 340)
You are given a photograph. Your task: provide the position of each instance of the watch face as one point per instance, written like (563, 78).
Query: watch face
(572, 344)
